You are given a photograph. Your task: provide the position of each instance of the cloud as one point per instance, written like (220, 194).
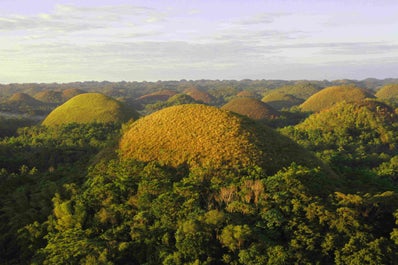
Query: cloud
(68, 18)
(263, 18)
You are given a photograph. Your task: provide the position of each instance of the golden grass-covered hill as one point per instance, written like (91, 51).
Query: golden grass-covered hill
(89, 107)
(23, 99)
(247, 93)
(252, 108)
(388, 91)
(201, 135)
(331, 95)
(71, 92)
(280, 100)
(49, 96)
(301, 89)
(154, 97)
(199, 95)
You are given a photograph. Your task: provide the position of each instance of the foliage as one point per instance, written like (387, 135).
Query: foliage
(128, 212)
(354, 138)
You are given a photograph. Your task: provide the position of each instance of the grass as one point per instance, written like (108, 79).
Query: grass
(88, 108)
(331, 95)
(200, 135)
(388, 91)
(252, 108)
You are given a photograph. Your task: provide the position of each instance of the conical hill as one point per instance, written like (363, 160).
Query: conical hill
(252, 108)
(279, 100)
(334, 94)
(71, 92)
(199, 95)
(90, 107)
(23, 99)
(388, 91)
(201, 135)
(49, 96)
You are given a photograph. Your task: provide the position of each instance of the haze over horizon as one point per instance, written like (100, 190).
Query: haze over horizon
(67, 41)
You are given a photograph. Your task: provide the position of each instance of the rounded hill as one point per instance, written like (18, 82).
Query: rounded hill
(154, 97)
(388, 91)
(90, 107)
(71, 92)
(279, 100)
(201, 135)
(331, 95)
(49, 96)
(23, 99)
(247, 93)
(252, 108)
(199, 95)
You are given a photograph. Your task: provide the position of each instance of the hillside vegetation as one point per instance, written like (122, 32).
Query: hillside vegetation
(89, 108)
(200, 135)
(195, 184)
(332, 95)
(280, 100)
(251, 107)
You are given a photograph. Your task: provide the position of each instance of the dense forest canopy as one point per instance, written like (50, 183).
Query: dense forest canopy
(175, 178)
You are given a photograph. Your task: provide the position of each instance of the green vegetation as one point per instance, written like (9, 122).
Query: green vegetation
(195, 184)
(88, 108)
(356, 139)
(332, 95)
(300, 90)
(279, 100)
(251, 107)
(388, 91)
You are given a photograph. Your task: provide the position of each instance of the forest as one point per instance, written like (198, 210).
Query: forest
(199, 172)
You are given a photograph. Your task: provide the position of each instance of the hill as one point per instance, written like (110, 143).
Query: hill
(88, 108)
(49, 96)
(331, 95)
(199, 95)
(23, 99)
(71, 92)
(201, 135)
(154, 97)
(389, 91)
(280, 100)
(301, 89)
(247, 93)
(252, 108)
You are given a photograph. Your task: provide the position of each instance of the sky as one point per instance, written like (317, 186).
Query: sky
(119, 40)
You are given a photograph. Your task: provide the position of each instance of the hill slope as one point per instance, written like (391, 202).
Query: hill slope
(252, 108)
(87, 108)
(200, 135)
(388, 91)
(334, 94)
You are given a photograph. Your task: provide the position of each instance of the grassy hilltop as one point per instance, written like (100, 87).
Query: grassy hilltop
(88, 108)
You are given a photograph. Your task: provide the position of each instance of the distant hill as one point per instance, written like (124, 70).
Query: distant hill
(24, 99)
(280, 100)
(201, 135)
(90, 107)
(154, 97)
(251, 107)
(49, 96)
(199, 95)
(329, 96)
(389, 91)
(71, 92)
(247, 93)
(300, 90)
